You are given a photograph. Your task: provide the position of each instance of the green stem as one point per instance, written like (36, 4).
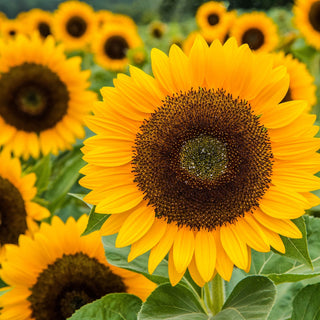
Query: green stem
(217, 288)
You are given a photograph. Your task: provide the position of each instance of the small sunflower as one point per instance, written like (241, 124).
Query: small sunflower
(40, 21)
(43, 97)
(257, 30)
(103, 17)
(307, 20)
(57, 272)
(301, 85)
(10, 28)
(201, 160)
(18, 212)
(111, 45)
(157, 29)
(210, 15)
(74, 24)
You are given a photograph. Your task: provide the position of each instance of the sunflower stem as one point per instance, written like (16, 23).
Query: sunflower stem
(217, 289)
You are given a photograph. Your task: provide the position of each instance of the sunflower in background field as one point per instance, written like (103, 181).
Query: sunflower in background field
(10, 28)
(307, 20)
(122, 19)
(301, 86)
(257, 30)
(201, 160)
(40, 21)
(103, 17)
(18, 212)
(157, 29)
(210, 15)
(111, 44)
(57, 272)
(74, 24)
(43, 97)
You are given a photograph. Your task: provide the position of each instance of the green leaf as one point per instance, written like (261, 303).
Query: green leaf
(306, 305)
(281, 268)
(95, 222)
(298, 248)
(251, 299)
(80, 196)
(167, 302)
(119, 258)
(42, 169)
(116, 306)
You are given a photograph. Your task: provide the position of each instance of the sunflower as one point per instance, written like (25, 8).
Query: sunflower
(10, 28)
(40, 21)
(58, 271)
(157, 29)
(112, 43)
(103, 17)
(307, 20)
(301, 85)
(18, 213)
(43, 97)
(201, 160)
(210, 15)
(122, 19)
(257, 30)
(74, 24)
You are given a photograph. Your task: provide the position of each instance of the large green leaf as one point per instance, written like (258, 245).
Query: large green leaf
(306, 305)
(116, 306)
(174, 303)
(281, 268)
(251, 299)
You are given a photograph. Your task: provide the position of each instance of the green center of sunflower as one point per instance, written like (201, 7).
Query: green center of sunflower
(69, 283)
(116, 47)
(202, 159)
(12, 213)
(314, 15)
(32, 97)
(44, 29)
(76, 27)
(254, 38)
(213, 19)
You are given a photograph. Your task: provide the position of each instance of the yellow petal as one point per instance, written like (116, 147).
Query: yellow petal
(194, 273)
(174, 275)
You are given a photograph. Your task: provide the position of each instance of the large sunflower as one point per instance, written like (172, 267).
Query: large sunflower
(40, 21)
(201, 160)
(18, 213)
(301, 85)
(43, 97)
(257, 30)
(307, 20)
(58, 271)
(112, 43)
(74, 24)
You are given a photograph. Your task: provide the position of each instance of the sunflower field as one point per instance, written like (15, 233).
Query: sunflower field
(159, 160)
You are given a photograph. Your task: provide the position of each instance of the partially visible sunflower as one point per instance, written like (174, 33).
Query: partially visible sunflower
(157, 29)
(40, 21)
(10, 28)
(257, 30)
(43, 97)
(210, 15)
(201, 161)
(111, 44)
(18, 213)
(103, 17)
(74, 24)
(57, 272)
(122, 19)
(307, 20)
(301, 86)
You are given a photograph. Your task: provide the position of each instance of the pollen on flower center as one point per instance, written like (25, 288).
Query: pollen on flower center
(202, 159)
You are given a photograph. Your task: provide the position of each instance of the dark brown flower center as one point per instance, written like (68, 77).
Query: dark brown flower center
(32, 97)
(202, 159)
(76, 27)
(157, 32)
(12, 213)
(44, 29)
(12, 32)
(314, 15)
(213, 19)
(69, 283)
(254, 38)
(116, 47)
